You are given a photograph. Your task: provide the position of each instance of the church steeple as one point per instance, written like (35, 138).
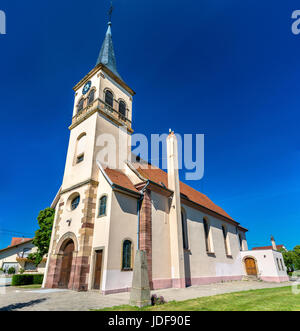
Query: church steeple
(107, 53)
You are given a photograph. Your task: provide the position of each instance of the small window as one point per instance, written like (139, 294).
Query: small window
(109, 98)
(91, 97)
(225, 239)
(126, 259)
(80, 158)
(102, 206)
(206, 233)
(80, 105)
(75, 202)
(282, 267)
(122, 108)
(278, 264)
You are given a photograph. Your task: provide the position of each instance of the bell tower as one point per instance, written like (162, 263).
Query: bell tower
(101, 131)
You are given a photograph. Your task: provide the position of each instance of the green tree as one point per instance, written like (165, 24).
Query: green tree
(288, 260)
(42, 235)
(297, 257)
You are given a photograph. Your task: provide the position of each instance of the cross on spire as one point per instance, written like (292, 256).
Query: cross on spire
(110, 11)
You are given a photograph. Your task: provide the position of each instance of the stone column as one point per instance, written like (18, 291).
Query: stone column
(176, 242)
(146, 231)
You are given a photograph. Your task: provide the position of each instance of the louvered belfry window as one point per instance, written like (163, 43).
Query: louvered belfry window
(109, 98)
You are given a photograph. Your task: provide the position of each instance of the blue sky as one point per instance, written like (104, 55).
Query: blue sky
(228, 69)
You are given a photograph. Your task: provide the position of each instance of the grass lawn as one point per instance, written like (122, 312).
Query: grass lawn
(33, 286)
(272, 299)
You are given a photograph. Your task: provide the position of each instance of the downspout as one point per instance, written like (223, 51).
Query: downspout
(139, 204)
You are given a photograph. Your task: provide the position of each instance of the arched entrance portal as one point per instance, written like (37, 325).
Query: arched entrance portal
(250, 265)
(66, 264)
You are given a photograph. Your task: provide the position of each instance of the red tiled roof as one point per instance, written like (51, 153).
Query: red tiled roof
(120, 179)
(159, 176)
(18, 241)
(267, 247)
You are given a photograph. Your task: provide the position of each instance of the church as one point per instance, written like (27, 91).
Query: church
(103, 214)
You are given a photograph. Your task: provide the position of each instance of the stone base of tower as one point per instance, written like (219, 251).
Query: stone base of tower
(78, 276)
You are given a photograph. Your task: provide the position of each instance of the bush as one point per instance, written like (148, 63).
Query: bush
(11, 271)
(21, 271)
(26, 279)
(155, 300)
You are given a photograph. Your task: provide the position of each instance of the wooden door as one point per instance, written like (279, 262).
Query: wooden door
(66, 265)
(250, 266)
(98, 264)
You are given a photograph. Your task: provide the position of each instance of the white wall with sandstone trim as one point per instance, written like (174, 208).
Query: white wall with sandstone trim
(123, 225)
(161, 259)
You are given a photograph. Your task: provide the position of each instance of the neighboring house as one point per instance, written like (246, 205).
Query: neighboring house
(266, 263)
(103, 214)
(16, 255)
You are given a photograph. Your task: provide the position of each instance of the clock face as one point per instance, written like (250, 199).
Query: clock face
(86, 87)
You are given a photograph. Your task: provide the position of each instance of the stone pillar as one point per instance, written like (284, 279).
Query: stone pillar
(146, 231)
(140, 291)
(176, 242)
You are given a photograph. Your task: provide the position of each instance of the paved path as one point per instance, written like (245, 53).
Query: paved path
(45, 300)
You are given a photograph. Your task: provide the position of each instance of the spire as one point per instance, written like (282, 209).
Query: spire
(107, 53)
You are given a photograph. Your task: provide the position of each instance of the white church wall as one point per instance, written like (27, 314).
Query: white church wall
(78, 172)
(161, 259)
(70, 220)
(123, 226)
(208, 267)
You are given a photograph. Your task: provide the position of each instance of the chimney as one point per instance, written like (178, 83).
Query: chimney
(273, 243)
(176, 242)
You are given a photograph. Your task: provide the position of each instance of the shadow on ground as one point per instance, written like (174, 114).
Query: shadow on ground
(22, 305)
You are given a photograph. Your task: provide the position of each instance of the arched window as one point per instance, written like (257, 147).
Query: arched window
(80, 148)
(184, 231)
(225, 239)
(122, 108)
(91, 97)
(102, 205)
(109, 98)
(80, 105)
(126, 259)
(206, 234)
(75, 202)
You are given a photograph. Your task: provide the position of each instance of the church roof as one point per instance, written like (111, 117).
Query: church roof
(159, 176)
(120, 179)
(107, 53)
